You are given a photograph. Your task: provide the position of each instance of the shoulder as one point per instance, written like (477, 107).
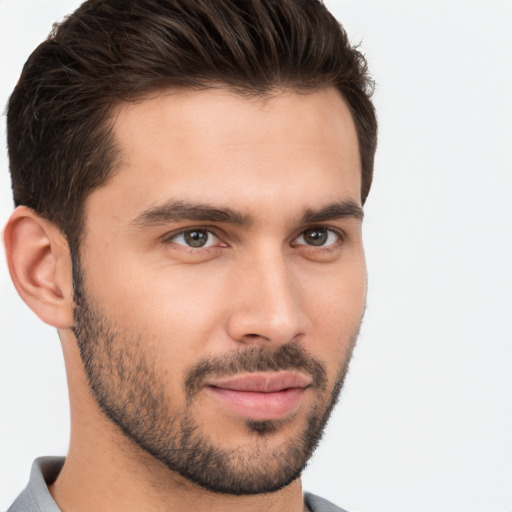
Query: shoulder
(317, 504)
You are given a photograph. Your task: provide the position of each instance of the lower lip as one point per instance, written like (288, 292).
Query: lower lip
(260, 406)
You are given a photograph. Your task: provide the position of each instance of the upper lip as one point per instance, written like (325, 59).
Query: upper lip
(262, 382)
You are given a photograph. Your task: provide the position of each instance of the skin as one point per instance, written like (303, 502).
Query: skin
(259, 284)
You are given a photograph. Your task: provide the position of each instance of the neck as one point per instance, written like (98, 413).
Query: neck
(96, 478)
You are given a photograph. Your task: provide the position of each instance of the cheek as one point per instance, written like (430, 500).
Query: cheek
(175, 310)
(336, 307)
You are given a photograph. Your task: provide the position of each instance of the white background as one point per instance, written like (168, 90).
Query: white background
(425, 420)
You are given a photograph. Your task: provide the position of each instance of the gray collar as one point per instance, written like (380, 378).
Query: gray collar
(36, 497)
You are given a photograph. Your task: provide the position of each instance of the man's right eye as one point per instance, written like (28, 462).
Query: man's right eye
(197, 238)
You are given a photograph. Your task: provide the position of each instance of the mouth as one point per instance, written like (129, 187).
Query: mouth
(261, 396)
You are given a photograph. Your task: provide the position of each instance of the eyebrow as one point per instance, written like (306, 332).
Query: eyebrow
(332, 211)
(178, 211)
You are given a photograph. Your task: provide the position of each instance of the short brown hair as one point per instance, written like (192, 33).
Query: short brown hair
(108, 51)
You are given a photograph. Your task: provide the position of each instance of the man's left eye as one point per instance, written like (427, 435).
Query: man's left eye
(318, 237)
(195, 238)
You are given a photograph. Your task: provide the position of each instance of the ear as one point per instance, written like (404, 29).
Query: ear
(39, 262)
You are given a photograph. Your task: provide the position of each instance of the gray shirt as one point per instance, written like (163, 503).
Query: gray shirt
(37, 498)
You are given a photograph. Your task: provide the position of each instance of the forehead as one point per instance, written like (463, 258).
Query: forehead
(220, 147)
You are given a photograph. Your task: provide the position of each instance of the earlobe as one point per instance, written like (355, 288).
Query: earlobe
(40, 266)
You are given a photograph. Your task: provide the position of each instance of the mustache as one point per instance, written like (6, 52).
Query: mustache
(290, 356)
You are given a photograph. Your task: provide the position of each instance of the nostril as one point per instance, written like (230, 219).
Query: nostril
(253, 336)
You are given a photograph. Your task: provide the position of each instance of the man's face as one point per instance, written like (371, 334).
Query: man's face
(223, 281)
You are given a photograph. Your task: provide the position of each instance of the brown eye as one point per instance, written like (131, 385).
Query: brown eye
(317, 237)
(195, 238)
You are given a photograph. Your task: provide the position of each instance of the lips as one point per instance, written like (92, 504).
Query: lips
(261, 396)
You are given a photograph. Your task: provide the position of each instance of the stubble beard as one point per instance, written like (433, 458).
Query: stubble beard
(130, 392)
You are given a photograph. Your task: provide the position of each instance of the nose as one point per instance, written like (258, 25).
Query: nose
(267, 304)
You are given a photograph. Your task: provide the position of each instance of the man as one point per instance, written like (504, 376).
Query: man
(189, 179)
